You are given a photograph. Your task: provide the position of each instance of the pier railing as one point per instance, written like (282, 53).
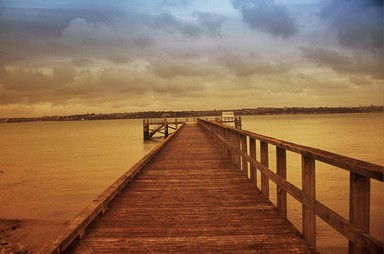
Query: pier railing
(240, 145)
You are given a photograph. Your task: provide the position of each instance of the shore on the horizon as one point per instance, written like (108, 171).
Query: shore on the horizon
(200, 113)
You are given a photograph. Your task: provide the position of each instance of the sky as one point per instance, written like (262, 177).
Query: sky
(102, 56)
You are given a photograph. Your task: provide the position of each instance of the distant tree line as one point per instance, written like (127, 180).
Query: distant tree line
(201, 113)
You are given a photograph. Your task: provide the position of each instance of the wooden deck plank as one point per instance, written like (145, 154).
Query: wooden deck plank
(191, 198)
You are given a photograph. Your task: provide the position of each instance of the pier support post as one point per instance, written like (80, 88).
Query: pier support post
(238, 124)
(359, 202)
(281, 170)
(232, 139)
(264, 161)
(252, 152)
(244, 149)
(146, 130)
(238, 147)
(166, 132)
(308, 186)
(227, 136)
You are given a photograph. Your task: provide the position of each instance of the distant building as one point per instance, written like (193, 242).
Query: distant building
(228, 116)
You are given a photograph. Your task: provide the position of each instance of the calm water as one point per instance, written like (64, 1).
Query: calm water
(49, 171)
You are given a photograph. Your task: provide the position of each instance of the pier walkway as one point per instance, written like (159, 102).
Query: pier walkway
(191, 198)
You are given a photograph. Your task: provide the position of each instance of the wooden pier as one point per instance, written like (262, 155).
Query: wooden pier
(188, 195)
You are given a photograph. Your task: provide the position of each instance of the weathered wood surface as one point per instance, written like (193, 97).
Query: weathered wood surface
(356, 230)
(191, 198)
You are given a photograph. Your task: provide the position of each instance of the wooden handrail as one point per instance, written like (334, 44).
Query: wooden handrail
(356, 229)
(364, 168)
(76, 227)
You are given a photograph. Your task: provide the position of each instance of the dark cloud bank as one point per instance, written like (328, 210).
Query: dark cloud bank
(267, 16)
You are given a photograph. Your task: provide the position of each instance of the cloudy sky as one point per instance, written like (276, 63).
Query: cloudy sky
(102, 56)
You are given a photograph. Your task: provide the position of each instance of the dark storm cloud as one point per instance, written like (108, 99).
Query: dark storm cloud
(34, 30)
(36, 22)
(80, 61)
(206, 24)
(79, 29)
(65, 84)
(31, 86)
(143, 41)
(169, 23)
(267, 16)
(119, 59)
(211, 23)
(330, 57)
(358, 23)
(171, 68)
(365, 64)
(358, 26)
(244, 66)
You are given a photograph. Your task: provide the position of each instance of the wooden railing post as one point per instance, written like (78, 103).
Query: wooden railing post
(264, 162)
(237, 145)
(166, 133)
(145, 129)
(244, 149)
(228, 137)
(359, 204)
(281, 170)
(232, 141)
(252, 153)
(308, 187)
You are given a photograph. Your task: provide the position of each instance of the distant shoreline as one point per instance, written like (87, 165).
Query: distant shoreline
(200, 113)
